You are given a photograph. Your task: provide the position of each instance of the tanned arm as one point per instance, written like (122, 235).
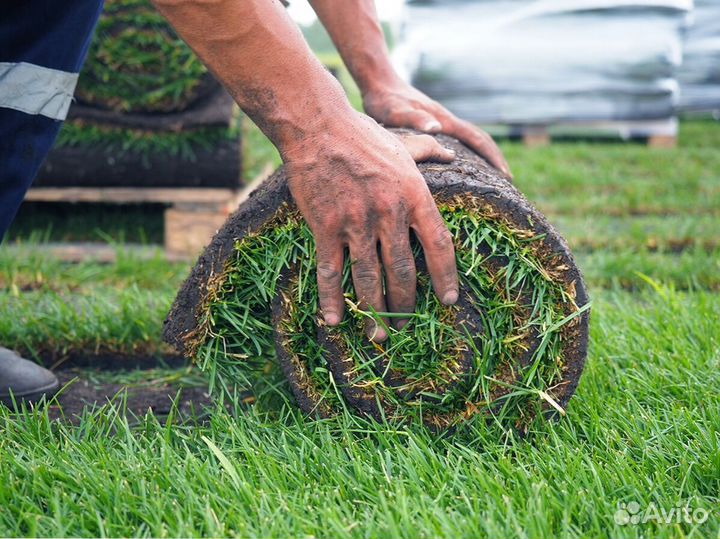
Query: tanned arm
(354, 28)
(355, 183)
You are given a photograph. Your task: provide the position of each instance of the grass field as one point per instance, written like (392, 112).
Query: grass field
(643, 431)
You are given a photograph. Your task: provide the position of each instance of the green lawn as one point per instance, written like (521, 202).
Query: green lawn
(644, 426)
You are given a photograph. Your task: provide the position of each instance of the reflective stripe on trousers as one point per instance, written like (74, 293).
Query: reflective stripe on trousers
(35, 89)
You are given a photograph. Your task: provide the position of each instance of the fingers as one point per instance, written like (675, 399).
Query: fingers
(400, 276)
(478, 140)
(426, 148)
(367, 280)
(330, 258)
(439, 250)
(415, 119)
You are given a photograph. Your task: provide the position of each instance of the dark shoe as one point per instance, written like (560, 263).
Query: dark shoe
(25, 380)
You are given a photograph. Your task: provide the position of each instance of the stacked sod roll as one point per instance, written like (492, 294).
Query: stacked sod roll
(147, 113)
(137, 63)
(511, 349)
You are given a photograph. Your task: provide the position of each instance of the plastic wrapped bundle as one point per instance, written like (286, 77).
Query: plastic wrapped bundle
(513, 346)
(542, 61)
(699, 74)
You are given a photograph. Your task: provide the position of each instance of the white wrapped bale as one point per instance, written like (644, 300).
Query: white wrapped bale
(546, 61)
(699, 74)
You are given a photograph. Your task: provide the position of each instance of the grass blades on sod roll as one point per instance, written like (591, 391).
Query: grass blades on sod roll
(425, 358)
(515, 341)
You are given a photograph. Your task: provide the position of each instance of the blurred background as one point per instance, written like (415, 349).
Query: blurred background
(628, 67)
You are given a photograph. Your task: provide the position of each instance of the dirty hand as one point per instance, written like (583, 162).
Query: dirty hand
(401, 105)
(357, 186)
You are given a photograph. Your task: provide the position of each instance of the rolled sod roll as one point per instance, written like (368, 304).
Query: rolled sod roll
(511, 349)
(137, 63)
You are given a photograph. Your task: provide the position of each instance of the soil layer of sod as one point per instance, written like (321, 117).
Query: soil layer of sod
(512, 349)
(80, 393)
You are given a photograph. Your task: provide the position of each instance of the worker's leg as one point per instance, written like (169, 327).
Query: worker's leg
(42, 47)
(24, 142)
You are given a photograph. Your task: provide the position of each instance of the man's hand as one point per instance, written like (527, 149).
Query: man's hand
(401, 105)
(357, 186)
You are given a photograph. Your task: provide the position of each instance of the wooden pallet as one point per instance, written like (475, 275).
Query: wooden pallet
(656, 133)
(192, 217)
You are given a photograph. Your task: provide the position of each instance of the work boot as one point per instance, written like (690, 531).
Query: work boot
(25, 380)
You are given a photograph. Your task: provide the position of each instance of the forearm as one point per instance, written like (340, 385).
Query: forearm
(355, 29)
(257, 52)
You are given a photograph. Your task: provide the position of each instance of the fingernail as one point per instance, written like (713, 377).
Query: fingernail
(450, 297)
(376, 332)
(450, 151)
(331, 319)
(432, 125)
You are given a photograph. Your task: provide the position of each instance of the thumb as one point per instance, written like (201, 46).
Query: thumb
(426, 148)
(417, 119)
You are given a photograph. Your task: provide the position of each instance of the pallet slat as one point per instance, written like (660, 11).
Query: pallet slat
(124, 195)
(193, 215)
(661, 133)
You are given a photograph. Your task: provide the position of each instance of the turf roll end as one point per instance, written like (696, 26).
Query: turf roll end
(511, 350)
